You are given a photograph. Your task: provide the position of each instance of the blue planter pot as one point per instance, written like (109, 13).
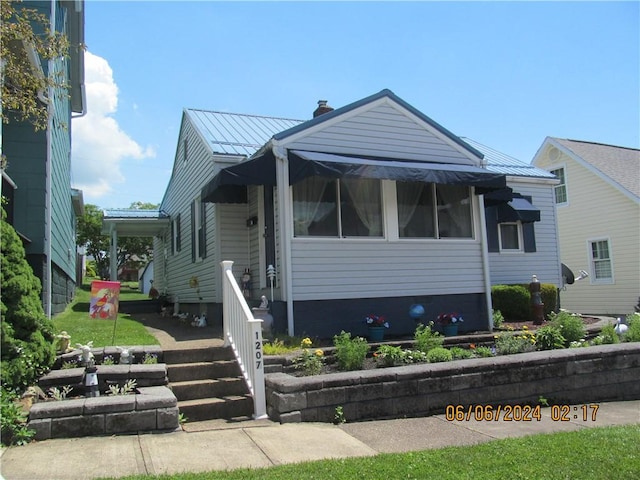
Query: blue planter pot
(450, 330)
(376, 334)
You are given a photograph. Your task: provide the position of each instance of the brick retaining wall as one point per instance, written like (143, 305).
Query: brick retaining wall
(576, 375)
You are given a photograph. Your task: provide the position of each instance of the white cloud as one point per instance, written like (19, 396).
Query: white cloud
(99, 144)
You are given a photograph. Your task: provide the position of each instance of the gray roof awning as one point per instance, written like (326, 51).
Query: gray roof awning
(226, 186)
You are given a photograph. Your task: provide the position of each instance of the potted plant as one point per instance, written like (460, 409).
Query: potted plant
(377, 324)
(449, 322)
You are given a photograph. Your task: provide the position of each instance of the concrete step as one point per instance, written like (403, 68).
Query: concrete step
(218, 387)
(200, 354)
(183, 372)
(231, 406)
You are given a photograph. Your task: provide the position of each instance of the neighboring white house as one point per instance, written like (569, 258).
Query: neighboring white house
(368, 208)
(597, 200)
(145, 276)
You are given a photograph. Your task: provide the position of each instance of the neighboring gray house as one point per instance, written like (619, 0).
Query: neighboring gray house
(42, 206)
(369, 208)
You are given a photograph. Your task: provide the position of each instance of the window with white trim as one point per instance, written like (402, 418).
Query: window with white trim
(510, 237)
(175, 235)
(349, 207)
(601, 267)
(560, 189)
(198, 230)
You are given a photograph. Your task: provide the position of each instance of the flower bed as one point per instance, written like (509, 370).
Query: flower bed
(591, 374)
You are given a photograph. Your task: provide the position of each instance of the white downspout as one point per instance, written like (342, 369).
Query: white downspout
(485, 261)
(284, 214)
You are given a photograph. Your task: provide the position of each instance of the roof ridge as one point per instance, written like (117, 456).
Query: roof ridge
(598, 143)
(253, 115)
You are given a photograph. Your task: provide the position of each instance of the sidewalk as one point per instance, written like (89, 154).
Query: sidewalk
(220, 445)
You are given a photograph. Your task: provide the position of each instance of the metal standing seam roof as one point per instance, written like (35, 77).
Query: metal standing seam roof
(237, 134)
(499, 162)
(620, 164)
(244, 134)
(124, 213)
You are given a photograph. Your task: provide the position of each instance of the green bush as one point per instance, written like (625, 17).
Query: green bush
(607, 336)
(425, 338)
(350, 352)
(390, 356)
(483, 352)
(509, 343)
(459, 353)
(439, 354)
(549, 296)
(27, 349)
(570, 325)
(13, 420)
(498, 318)
(512, 301)
(633, 332)
(549, 337)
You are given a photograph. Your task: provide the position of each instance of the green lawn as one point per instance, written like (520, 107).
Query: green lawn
(75, 320)
(590, 453)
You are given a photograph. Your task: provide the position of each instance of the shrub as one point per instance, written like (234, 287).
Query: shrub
(425, 338)
(512, 301)
(607, 335)
(508, 343)
(27, 348)
(350, 352)
(633, 332)
(549, 296)
(13, 420)
(310, 363)
(458, 353)
(439, 354)
(570, 326)
(389, 356)
(483, 352)
(549, 337)
(498, 318)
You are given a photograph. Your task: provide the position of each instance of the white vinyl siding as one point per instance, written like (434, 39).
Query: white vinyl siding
(383, 131)
(326, 269)
(545, 261)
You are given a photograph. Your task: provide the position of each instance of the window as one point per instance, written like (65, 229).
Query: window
(175, 235)
(350, 207)
(561, 188)
(601, 267)
(198, 230)
(433, 211)
(510, 235)
(185, 150)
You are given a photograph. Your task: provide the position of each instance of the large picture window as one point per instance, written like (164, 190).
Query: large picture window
(337, 208)
(433, 211)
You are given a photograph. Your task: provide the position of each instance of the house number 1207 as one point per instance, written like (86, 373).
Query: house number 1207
(258, 352)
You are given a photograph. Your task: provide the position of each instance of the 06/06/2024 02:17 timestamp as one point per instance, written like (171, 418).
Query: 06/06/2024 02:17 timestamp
(520, 413)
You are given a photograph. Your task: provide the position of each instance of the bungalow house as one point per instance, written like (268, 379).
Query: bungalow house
(368, 208)
(597, 202)
(41, 205)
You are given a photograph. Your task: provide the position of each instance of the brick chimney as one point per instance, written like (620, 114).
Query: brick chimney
(322, 108)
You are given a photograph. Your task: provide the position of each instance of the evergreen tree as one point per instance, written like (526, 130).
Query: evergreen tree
(26, 343)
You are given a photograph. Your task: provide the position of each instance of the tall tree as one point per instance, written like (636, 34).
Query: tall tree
(23, 33)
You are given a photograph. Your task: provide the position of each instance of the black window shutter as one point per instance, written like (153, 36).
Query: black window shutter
(203, 229)
(529, 236)
(178, 241)
(173, 229)
(193, 231)
(491, 221)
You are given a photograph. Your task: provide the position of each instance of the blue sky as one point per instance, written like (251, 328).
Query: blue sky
(506, 74)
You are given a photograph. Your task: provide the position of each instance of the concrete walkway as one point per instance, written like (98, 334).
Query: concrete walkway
(223, 445)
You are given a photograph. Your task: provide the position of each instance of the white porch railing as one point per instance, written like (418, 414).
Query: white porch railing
(243, 333)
